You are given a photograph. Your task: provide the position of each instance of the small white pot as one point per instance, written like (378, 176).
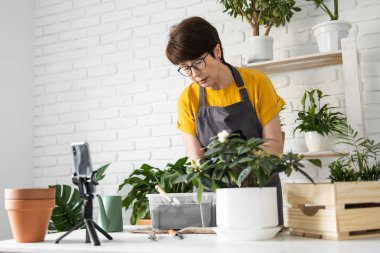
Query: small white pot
(260, 48)
(246, 213)
(330, 33)
(316, 142)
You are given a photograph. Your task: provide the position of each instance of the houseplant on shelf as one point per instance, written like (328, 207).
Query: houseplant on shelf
(330, 33)
(318, 122)
(143, 181)
(237, 169)
(346, 208)
(267, 13)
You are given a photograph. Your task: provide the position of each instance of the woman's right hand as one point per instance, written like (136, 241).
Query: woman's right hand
(193, 147)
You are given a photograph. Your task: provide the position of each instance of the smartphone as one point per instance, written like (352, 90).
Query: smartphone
(82, 160)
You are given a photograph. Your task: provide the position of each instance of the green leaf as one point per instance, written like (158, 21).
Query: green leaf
(181, 179)
(315, 162)
(67, 210)
(199, 193)
(243, 150)
(243, 175)
(100, 172)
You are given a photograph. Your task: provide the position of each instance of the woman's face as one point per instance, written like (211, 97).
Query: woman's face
(203, 70)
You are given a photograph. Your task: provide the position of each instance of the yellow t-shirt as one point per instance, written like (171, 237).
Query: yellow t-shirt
(259, 88)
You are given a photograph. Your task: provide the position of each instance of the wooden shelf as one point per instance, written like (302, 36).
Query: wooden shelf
(298, 63)
(323, 154)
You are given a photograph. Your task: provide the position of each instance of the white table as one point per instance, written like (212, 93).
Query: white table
(128, 242)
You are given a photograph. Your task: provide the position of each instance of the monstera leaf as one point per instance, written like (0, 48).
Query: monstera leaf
(68, 204)
(67, 210)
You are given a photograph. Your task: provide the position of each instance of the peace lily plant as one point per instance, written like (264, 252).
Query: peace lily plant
(318, 121)
(142, 181)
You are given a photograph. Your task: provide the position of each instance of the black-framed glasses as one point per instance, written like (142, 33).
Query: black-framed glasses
(199, 64)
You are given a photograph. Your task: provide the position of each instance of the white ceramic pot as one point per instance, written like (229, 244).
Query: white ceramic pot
(246, 213)
(316, 142)
(260, 48)
(330, 33)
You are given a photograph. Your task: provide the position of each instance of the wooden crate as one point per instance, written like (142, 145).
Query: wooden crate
(339, 211)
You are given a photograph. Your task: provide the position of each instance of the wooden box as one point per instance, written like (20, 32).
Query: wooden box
(339, 211)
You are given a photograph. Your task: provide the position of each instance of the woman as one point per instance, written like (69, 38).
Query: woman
(220, 96)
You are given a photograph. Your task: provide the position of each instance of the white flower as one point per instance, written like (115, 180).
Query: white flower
(222, 136)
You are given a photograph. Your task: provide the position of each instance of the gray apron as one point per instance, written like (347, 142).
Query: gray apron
(239, 117)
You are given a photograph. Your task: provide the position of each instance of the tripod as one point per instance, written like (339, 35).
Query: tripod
(86, 186)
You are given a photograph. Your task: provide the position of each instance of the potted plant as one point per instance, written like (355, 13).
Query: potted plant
(346, 208)
(267, 13)
(330, 33)
(237, 169)
(143, 181)
(318, 122)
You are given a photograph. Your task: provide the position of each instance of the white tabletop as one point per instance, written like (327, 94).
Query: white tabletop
(128, 242)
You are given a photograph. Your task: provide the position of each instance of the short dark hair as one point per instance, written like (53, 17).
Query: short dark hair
(190, 39)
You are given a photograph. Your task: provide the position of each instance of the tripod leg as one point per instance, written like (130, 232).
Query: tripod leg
(91, 230)
(102, 231)
(87, 237)
(78, 225)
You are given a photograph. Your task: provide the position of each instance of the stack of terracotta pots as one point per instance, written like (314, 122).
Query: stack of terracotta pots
(29, 212)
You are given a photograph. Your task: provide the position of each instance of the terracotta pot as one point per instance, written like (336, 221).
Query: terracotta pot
(34, 193)
(144, 222)
(29, 212)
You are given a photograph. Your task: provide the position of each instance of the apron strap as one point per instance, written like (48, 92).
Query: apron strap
(202, 102)
(239, 82)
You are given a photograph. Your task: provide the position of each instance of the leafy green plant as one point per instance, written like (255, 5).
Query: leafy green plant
(67, 210)
(334, 15)
(361, 164)
(68, 205)
(268, 13)
(144, 179)
(231, 161)
(313, 117)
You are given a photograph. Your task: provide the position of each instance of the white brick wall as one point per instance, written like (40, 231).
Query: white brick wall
(101, 75)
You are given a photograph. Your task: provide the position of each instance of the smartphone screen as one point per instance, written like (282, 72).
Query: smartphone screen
(82, 160)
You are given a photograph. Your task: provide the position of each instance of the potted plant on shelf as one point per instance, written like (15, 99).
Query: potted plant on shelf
(346, 208)
(267, 13)
(143, 181)
(318, 122)
(330, 33)
(237, 169)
